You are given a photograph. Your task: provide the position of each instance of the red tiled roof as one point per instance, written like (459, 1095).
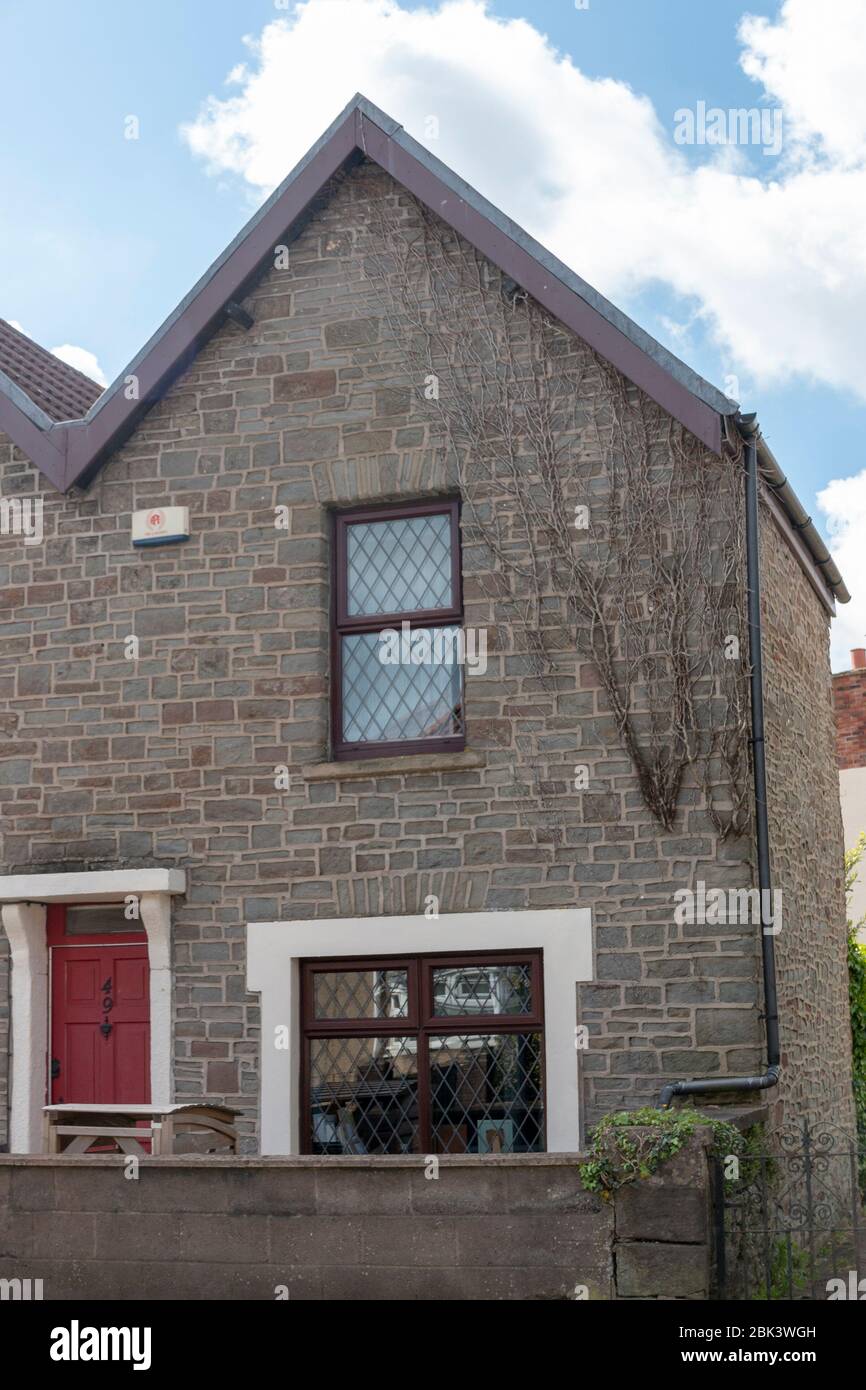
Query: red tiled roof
(60, 390)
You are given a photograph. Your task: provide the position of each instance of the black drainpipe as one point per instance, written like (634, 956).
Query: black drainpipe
(771, 1076)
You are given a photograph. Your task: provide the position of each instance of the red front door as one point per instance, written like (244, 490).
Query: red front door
(100, 1024)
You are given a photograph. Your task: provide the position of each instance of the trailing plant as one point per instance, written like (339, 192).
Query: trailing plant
(631, 1145)
(598, 525)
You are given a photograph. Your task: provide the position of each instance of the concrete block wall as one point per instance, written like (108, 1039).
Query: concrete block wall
(349, 1228)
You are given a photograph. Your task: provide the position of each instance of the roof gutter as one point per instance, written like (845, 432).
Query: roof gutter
(793, 508)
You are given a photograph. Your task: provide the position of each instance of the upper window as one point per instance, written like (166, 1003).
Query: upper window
(398, 613)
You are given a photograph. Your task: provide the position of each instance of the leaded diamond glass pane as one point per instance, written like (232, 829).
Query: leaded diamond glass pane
(486, 1094)
(399, 566)
(363, 1095)
(482, 989)
(385, 702)
(361, 993)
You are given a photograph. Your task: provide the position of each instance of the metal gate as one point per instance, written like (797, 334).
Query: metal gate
(790, 1218)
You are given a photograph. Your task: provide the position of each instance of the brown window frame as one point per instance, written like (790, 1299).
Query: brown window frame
(419, 1021)
(343, 624)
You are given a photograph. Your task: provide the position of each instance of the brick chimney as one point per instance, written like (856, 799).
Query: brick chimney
(849, 700)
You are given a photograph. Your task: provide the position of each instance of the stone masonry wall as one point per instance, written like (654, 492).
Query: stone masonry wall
(806, 844)
(170, 760)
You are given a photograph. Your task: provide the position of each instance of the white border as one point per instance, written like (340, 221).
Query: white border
(275, 950)
(23, 900)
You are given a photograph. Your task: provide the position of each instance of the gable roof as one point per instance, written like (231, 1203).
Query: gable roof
(70, 453)
(61, 391)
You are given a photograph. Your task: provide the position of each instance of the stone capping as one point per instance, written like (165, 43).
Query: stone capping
(98, 886)
(390, 767)
(252, 1162)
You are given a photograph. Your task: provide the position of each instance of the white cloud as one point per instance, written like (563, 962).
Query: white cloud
(812, 60)
(843, 502)
(769, 253)
(82, 361)
(774, 261)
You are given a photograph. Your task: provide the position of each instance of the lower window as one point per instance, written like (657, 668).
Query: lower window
(424, 1054)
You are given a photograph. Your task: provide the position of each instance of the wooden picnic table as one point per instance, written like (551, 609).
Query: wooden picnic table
(72, 1129)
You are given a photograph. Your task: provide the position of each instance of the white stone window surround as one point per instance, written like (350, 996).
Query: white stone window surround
(24, 899)
(276, 949)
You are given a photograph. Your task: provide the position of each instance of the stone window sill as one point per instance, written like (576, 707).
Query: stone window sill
(392, 766)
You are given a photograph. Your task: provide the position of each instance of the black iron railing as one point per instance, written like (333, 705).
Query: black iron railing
(789, 1217)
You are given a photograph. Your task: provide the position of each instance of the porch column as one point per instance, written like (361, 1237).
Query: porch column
(24, 924)
(155, 909)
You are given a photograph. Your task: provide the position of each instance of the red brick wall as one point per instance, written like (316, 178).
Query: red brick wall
(849, 700)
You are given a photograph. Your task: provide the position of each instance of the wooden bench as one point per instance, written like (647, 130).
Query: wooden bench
(72, 1129)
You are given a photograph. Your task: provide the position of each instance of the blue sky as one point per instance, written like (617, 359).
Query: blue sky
(100, 236)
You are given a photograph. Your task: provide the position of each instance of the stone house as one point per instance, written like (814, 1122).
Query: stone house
(424, 901)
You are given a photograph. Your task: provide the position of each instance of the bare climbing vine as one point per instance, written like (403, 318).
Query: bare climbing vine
(597, 522)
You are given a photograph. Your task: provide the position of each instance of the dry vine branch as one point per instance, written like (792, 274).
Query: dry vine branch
(535, 425)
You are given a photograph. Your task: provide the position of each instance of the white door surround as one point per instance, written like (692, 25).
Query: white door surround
(23, 902)
(275, 950)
